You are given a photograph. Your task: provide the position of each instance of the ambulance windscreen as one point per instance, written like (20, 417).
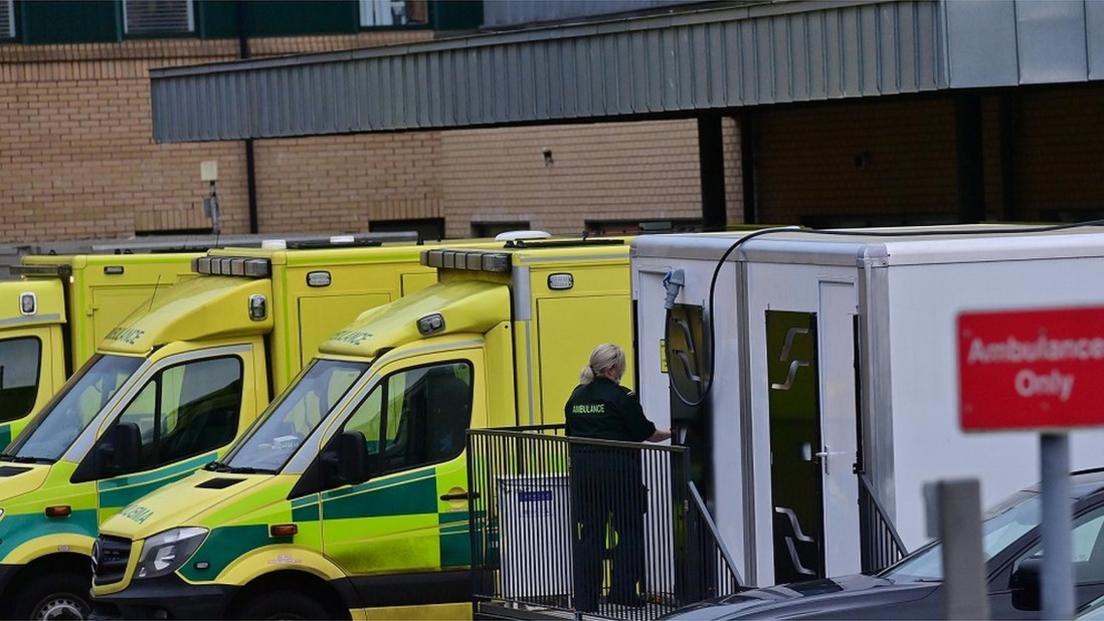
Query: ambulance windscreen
(74, 407)
(290, 420)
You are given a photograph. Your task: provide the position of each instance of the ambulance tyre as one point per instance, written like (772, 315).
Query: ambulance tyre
(62, 595)
(284, 605)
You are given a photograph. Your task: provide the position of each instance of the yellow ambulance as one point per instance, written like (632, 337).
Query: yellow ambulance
(52, 318)
(349, 498)
(166, 391)
(63, 305)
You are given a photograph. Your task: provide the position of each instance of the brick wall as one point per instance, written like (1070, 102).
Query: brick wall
(76, 154)
(894, 158)
(78, 159)
(340, 183)
(855, 159)
(1059, 165)
(597, 172)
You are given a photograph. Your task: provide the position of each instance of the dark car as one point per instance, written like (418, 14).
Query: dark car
(912, 589)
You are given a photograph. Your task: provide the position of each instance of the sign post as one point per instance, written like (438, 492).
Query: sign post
(1037, 370)
(1056, 526)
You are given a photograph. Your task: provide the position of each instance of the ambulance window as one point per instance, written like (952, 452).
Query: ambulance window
(19, 367)
(187, 409)
(74, 407)
(295, 415)
(140, 412)
(426, 412)
(366, 420)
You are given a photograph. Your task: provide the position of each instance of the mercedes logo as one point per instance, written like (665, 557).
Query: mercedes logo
(95, 555)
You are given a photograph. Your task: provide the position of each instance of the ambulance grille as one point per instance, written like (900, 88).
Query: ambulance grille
(109, 559)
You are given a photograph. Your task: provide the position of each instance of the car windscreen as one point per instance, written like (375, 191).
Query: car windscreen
(73, 408)
(1003, 526)
(288, 422)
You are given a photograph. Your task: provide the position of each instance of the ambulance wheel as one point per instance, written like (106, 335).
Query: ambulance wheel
(54, 596)
(284, 605)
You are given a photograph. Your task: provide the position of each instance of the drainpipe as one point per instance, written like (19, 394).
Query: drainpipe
(250, 159)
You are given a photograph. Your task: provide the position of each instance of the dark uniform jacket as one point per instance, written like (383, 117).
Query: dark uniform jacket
(605, 410)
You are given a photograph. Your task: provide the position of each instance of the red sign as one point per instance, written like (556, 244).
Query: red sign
(1039, 369)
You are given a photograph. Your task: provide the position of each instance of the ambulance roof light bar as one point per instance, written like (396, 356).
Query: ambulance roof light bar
(247, 267)
(471, 260)
(54, 271)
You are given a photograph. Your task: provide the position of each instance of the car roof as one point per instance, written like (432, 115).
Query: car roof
(1083, 483)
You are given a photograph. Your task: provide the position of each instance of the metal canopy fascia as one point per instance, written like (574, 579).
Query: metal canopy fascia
(671, 64)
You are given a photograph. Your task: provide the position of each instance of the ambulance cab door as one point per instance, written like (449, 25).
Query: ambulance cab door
(32, 350)
(32, 368)
(406, 524)
(186, 410)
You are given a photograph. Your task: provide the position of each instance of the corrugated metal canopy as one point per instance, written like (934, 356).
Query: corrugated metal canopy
(664, 65)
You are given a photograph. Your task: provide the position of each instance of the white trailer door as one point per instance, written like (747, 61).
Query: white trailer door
(839, 429)
(803, 382)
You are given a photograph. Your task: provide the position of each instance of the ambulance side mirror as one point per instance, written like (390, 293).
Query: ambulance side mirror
(352, 457)
(120, 450)
(1025, 584)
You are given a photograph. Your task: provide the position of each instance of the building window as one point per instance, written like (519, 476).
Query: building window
(490, 229)
(158, 17)
(427, 228)
(377, 13)
(7, 19)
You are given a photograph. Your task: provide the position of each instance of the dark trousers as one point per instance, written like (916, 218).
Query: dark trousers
(608, 501)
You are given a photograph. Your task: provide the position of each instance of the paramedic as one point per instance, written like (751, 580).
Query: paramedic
(608, 494)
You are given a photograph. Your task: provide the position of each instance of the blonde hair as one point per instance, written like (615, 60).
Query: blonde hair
(603, 358)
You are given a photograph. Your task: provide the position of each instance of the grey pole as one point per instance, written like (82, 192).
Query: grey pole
(1057, 523)
(957, 514)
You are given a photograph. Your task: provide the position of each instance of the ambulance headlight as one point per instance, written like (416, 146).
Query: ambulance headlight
(165, 552)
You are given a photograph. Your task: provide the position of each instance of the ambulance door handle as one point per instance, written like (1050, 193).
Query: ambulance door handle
(460, 496)
(822, 457)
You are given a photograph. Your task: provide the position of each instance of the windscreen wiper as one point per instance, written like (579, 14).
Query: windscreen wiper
(217, 466)
(249, 470)
(19, 459)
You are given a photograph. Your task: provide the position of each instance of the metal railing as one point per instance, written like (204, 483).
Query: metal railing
(587, 527)
(705, 549)
(880, 545)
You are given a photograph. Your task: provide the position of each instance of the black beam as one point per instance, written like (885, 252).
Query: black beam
(1009, 155)
(250, 158)
(969, 169)
(747, 165)
(711, 162)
